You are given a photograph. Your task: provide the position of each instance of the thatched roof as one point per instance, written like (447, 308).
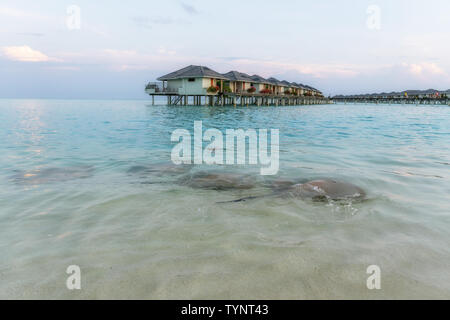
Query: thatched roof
(192, 72)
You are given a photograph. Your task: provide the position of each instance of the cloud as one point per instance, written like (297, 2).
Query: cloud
(24, 53)
(425, 45)
(423, 69)
(346, 78)
(333, 78)
(387, 78)
(270, 67)
(164, 58)
(189, 8)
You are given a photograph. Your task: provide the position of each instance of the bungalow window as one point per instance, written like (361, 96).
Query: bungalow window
(191, 80)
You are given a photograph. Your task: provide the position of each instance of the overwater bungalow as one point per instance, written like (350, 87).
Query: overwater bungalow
(429, 96)
(302, 89)
(314, 91)
(239, 82)
(278, 86)
(297, 89)
(262, 85)
(205, 85)
(309, 91)
(192, 80)
(288, 88)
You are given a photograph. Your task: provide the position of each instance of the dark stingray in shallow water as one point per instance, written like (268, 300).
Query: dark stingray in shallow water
(327, 189)
(279, 185)
(317, 190)
(51, 175)
(218, 181)
(159, 170)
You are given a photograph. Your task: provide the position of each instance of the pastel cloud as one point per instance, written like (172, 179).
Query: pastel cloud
(424, 68)
(25, 54)
(314, 70)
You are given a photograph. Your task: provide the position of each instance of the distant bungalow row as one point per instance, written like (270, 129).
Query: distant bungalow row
(203, 81)
(407, 94)
(430, 96)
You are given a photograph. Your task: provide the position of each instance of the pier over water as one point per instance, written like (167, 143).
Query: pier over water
(393, 100)
(237, 99)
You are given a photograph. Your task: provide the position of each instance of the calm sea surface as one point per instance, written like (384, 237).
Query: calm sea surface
(89, 183)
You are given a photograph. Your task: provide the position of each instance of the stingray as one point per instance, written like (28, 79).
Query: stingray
(159, 170)
(218, 181)
(51, 175)
(317, 190)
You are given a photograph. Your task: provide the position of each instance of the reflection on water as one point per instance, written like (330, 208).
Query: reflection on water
(49, 175)
(90, 183)
(30, 127)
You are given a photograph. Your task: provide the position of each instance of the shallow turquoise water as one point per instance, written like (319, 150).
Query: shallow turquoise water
(68, 197)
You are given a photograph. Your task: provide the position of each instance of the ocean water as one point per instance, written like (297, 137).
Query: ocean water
(89, 183)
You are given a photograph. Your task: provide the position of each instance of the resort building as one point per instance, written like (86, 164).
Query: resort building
(278, 86)
(262, 85)
(298, 89)
(287, 87)
(192, 80)
(207, 86)
(309, 91)
(239, 82)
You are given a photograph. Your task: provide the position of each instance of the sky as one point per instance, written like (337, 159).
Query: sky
(111, 49)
